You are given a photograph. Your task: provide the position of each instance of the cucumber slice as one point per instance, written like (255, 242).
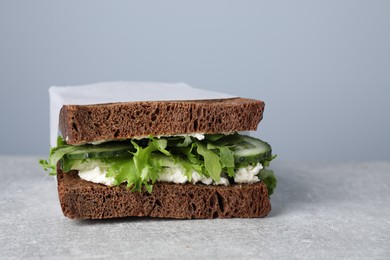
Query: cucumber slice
(246, 150)
(101, 151)
(250, 150)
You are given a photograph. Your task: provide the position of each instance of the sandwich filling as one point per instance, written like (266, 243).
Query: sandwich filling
(96, 171)
(203, 159)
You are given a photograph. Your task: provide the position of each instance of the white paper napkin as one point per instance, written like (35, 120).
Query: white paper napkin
(107, 92)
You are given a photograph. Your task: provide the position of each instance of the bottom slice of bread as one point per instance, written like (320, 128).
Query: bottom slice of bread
(82, 199)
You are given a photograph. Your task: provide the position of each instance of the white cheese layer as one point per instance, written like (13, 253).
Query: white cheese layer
(198, 136)
(248, 174)
(174, 173)
(94, 171)
(97, 175)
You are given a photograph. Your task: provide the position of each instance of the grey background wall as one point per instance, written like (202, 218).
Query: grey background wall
(322, 67)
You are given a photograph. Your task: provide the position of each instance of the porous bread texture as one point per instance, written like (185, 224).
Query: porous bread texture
(82, 199)
(80, 124)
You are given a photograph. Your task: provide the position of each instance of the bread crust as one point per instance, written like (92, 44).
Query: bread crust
(82, 199)
(80, 124)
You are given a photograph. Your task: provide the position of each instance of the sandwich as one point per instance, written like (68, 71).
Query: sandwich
(179, 159)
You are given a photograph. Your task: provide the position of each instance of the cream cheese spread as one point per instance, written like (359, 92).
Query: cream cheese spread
(173, 173)
(248, 174)
(96, 175)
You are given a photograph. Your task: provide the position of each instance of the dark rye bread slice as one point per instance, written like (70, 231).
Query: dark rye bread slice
(91, 123)
(82, 199)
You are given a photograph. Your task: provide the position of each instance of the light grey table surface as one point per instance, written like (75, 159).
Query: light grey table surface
(320, 211)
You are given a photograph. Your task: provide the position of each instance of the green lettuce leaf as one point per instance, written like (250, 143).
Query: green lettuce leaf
(211, 162)
(187, 141)
(56, 154)
(226, 157)
(146, 165)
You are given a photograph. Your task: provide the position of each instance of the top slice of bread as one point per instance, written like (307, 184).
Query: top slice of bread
(80, 124)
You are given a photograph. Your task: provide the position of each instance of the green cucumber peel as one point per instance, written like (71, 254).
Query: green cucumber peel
(269, 179)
